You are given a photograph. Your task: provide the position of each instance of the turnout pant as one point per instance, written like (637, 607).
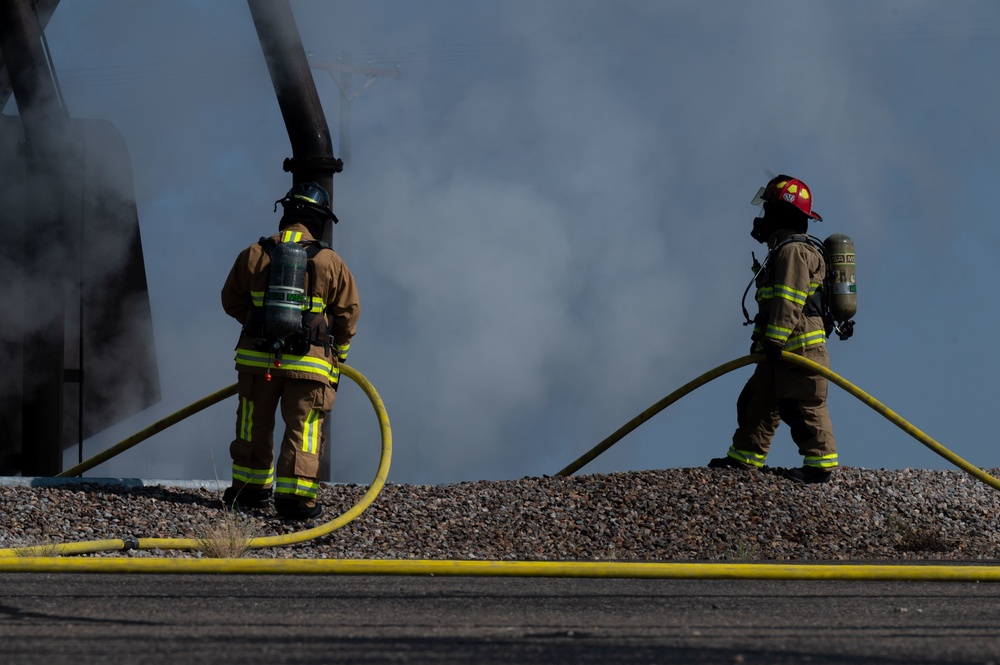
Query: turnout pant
(304, 404)
(781, 391)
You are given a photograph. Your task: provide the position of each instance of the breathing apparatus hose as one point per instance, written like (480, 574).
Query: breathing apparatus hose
(890, 415)
(254, 543)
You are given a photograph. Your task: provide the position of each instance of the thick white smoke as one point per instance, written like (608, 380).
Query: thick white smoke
(547, 212)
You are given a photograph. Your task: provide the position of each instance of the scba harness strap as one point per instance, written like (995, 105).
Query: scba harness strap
(818, 303)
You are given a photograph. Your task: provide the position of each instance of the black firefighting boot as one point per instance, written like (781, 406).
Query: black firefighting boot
(292, 509)
(730, 463)
(248, 497)
(807, 475)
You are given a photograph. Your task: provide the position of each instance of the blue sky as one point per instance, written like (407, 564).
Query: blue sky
(548, 216)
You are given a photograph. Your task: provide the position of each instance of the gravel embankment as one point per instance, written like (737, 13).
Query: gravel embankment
(673, 514)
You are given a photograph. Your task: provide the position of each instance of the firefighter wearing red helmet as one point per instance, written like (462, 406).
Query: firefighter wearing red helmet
(299, 307)
(789, 318)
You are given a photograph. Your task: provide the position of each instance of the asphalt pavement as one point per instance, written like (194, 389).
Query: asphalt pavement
(74, 619)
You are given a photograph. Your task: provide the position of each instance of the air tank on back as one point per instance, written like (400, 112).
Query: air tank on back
(285, 290)
(843, 296)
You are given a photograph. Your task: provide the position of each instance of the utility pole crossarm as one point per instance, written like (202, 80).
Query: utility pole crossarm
(354, 69)
(343, 75)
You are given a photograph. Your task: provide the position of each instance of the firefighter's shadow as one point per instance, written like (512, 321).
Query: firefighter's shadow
(200, 496)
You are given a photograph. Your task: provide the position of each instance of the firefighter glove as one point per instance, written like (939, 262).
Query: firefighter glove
(772, 352)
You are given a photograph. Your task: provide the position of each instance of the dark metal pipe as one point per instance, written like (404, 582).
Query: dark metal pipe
(312, 149)
(29, 74)
(43, 9)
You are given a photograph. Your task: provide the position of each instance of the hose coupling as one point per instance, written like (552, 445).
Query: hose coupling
(129, 543)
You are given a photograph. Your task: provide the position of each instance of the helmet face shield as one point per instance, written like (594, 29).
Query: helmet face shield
(758, 198)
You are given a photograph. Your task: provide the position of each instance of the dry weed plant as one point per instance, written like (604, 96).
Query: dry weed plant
(43, 549)
(228, 537)
(742, 551)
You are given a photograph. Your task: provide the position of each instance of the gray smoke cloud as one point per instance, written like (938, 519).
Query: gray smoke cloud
(547, 213)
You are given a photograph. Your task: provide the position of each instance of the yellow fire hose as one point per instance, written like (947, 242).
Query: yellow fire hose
(254, 543)
(971, 469)
(575, 569)
(155, 428)
(10, 561)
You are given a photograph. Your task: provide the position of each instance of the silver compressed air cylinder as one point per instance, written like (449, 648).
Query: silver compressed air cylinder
(286, 290)
(844, 289)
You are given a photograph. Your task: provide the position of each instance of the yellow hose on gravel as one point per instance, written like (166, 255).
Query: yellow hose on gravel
(25, 560)
(577, 569)
(890, 415)
(254, 543)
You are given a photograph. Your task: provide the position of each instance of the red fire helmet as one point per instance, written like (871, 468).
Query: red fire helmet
(789, 190)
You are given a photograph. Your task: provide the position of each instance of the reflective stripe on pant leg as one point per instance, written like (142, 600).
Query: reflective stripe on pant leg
(821, 462)
(747, 457)
(312, 432)
(246, 419)
(255, 477)
(295, 487)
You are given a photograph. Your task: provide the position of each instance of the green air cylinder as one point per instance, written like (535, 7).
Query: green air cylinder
(844, 295)
(285, 290)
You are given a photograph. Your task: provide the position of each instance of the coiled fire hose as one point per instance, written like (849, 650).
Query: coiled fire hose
(194, 543)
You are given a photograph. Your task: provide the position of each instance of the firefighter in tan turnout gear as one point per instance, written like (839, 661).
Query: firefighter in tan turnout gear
(299, 308)
(789, 318)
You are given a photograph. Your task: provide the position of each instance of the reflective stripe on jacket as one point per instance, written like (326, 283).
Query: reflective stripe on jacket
(791, 276)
